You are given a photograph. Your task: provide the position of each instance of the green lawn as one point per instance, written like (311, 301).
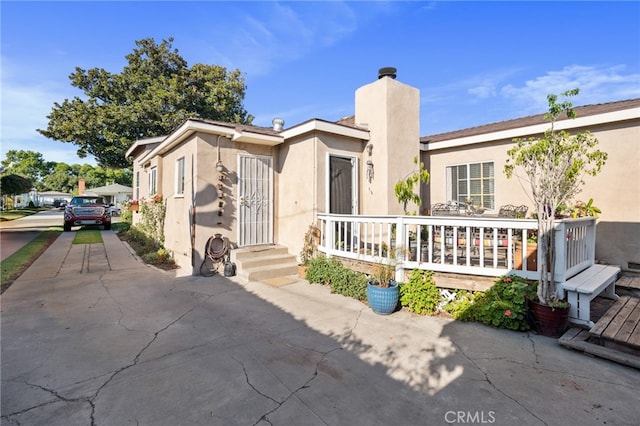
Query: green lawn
(18, 262)
(88, 236)
(18, 213)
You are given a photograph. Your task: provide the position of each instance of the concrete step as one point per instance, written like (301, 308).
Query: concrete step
(264, 262)
(257, 251)
(266, 272)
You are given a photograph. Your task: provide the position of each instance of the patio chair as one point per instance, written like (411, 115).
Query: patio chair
(508, 210)
(442, 209)
(521, 211)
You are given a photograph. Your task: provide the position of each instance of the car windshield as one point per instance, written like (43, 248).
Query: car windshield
(92, 200)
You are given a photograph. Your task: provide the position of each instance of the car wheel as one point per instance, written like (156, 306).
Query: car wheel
(107, 226)
(67, 227)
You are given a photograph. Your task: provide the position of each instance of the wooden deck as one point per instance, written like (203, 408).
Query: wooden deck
(616, 335)
(619, 328)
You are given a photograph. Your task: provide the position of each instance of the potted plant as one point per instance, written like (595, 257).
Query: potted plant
(554, 164)
(382, 289)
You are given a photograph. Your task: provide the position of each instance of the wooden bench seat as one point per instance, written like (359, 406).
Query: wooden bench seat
(586, 286)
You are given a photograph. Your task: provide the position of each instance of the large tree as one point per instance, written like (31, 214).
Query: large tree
(152, 95)
(29, 164)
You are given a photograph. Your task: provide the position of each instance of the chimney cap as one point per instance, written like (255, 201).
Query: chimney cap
(387, 72)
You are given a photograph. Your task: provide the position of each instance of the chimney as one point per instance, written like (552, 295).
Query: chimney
(387, 72)
(278, 124)
(81, 186)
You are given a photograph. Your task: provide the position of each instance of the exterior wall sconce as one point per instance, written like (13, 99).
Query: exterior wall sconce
(219, 167)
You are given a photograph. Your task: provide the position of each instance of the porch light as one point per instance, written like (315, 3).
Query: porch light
(369, 170)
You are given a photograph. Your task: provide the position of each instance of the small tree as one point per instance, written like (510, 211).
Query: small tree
(404, 189)
(554, 165)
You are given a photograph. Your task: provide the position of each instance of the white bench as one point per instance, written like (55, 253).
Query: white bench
(586, 286)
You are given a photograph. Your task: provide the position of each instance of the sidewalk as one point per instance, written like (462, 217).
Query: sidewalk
(92, 336)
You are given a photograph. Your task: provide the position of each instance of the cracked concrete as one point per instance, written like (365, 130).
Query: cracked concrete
(112, 342)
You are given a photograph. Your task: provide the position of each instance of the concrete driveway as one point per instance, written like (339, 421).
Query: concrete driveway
(91, 336)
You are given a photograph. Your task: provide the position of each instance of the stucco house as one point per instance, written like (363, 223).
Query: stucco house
(262, 186)
(473, 160)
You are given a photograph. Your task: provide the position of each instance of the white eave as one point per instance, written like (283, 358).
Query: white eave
(519, 132)
(326, 127)
(256, 138)
(141, 142)
(190, 127)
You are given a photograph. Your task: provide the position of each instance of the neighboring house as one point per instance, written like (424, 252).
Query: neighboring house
(470, 162)
(114, 193)
(262, 185)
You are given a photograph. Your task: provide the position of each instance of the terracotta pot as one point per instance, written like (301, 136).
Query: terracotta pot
(134, 207)
(550, 322)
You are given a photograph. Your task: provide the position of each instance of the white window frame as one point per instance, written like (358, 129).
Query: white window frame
(486, 200)
(180, 177)
(153, 181)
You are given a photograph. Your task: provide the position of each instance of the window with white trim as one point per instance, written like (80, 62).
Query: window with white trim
(472, 181)
(180, 177)
(153, 181)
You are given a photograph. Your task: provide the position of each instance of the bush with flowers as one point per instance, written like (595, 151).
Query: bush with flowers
(152, 213)
(504, 305)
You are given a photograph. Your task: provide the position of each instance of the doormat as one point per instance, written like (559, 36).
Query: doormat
(279, 281)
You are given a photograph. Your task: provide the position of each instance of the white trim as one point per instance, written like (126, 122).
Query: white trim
(323, 126)
(591, 120)
(177, 191)
(355, 192)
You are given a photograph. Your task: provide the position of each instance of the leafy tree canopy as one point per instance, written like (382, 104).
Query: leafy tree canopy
(52, 176)
(28, 164)
(15, 184)
(152, 95)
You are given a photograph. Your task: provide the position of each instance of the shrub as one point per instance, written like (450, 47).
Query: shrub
(351, 284)
(420, 294)
(504, 305)
(321, 270)
(344, 281)
(460, 308)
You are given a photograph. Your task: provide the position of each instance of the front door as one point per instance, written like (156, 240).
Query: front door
(255, 186)
(342, 188)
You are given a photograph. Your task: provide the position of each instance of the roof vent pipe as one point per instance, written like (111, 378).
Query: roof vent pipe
(387, 72)
(278, 124)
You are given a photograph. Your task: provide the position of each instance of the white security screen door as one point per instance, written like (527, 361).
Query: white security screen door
(255, 186)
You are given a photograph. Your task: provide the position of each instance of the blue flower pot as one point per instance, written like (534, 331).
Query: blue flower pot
(383, 300)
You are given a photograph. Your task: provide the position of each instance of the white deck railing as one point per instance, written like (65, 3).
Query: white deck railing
(473, 245)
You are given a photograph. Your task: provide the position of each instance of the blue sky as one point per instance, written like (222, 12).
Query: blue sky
(474, 62)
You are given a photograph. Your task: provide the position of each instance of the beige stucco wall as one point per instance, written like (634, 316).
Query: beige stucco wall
(391, 111)
(615, 190)
(301, 182)
(200, 202)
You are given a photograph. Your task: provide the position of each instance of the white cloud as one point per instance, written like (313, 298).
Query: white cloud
(24, 108)
(277, 33)
(596, 84)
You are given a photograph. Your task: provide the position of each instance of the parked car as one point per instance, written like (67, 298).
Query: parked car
(115, 209)
(87, 210)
